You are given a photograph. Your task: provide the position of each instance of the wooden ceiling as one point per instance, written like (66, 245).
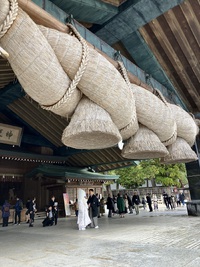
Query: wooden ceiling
(174, 38)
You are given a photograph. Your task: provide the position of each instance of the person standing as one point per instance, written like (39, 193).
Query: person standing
(32, 210)
(120, 205)
(155, 202)
(149, 202)
(182, 198)
(93, 204)
(136, 202)
(55, 213)
(76, 207)
(166, 199)
(27, 210)
(5, 213)
(98, 197)
(54, 205)
(83, 217)
(110, 205)
(18, 208)
(102, 207)
(130, 204)
(144, 203)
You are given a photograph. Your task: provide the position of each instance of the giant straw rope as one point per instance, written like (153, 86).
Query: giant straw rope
(70, 69)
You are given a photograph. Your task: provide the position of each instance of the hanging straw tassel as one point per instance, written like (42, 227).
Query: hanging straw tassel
(155, 114)
(145, 144)
(101, 81)
(34, 61)
(186, 126)
(90, 128)
(180, 152)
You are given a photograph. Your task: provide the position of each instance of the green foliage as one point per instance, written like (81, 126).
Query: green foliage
(168, 175)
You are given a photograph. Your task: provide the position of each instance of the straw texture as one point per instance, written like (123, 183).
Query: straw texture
(101, 82)
(73, 95)
(154, 114)
(129, 130)
(8, 13)
(180, 152)
(145, 144)
(90, 128)
(34, 62)
(186, 126)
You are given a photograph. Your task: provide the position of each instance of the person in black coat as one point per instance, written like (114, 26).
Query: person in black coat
(166, 199)
(93, 204)
(32, 210)
(149, 202)
(136, 202)
(110, 205)
(130, 204)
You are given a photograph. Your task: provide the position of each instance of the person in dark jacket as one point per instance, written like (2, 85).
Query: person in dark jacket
(149, 202)
(5, 213)
(136, 202)
(18, 208)
(166, 199)
(110, 206)
(27, 210)
(130, 204)
(32, 210)
(93, 204)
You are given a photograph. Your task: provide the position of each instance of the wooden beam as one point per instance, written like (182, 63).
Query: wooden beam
(41, 17)
(189, 8)
(183, 42)
(148, 39)
(180, 69)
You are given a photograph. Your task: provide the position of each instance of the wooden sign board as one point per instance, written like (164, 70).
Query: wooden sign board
(10, 134)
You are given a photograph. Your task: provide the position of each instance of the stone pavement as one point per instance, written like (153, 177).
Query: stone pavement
(156, 239)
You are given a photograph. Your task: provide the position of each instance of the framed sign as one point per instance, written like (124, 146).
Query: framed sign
(10, 135)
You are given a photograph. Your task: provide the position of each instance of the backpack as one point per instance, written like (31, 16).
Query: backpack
(6, 209)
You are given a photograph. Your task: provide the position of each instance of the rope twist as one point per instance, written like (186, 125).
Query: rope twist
(11, 16)
(79, 74)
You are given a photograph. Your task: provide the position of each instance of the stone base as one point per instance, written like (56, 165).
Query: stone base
(193, 208)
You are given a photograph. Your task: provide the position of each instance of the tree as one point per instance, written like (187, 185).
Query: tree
(168, 175)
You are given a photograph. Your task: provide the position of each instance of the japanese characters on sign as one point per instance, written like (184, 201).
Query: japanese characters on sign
(10, 134)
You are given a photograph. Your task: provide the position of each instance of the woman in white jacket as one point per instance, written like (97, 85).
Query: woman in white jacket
(83, 216)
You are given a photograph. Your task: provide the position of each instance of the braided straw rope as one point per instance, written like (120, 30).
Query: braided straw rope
(172, 139)
(157, 93)
(79, 74)
(11, 16)
(133, 126)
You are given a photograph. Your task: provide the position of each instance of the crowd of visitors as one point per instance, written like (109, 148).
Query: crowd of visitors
(88, 210)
